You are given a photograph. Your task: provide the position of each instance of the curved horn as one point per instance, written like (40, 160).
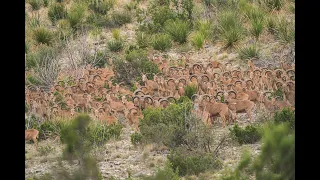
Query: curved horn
(146, 97)
(171, 97)
(227, 72)
(238, 81)
(194, 95)
(168, 80)
(205, 76)
(231, 91)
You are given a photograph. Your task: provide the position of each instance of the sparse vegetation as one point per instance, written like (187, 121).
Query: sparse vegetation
(248, 135)
(43, 36)
(161, 42)
(190, 90)
(248, 52)
(56, 12)
(179, 30)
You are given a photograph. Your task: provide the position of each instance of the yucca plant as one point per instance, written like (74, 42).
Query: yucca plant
(161, 42)
(178, 29)
(248, 52)
(197, 39)
(116, 34)
(34, 21)
(257, 27)
(56, 11)
(43, 36)
(285, 31)
(101, 6)
(143, 39)
(204, 26)
(76, 14)
(271, 25)
(272, 4)
(230, 27)
(45, 3)
(121, 17)
(115, 45)
(35, 4)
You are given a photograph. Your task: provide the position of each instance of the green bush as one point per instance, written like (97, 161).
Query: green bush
(121, 17)
(160, 15)
(178, 29)
(230, 27)
(136, 54)
(136, 138)
(285, 31)
(45, 3)
(57, 11)
(276, 159)
(165, 173)
(205, 27)
(76, 14)
(285, 115)
(161, 42)
(102, 6)
(34, 21)
(257, 28)
(43, 36)
(45, 150)
(271, 25)
(197, 40)
(192, 162)
(190, 90)
(115, 45)
(129, 71)
(277, 93)
(143, 39)
(272, 4)
(250, 134)
(35, 4)
(249, 52)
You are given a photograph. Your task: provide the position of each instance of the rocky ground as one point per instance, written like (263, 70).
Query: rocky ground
(119, 158)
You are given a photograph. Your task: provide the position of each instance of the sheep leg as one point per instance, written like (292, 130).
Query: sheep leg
(34, 139)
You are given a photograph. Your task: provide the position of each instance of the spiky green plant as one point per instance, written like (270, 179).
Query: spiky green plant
(285, 31)
(161, 42)
(76, 14)
(178, 29)
(249, 52)
(197, 39)
(56, 11)
(230, 27)
(43, 36)
(35, 4)
(272, 4)
(115, 45)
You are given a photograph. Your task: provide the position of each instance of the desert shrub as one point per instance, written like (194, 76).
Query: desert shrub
(197, 40)
(129, 71)
(34, 21)
(136, 138)
(116, 34)
(190, 90)
(271, 25)
(99, 133)
(143, 39)
(248, 135)
(230, 27)
(272, 4)
(100, 59)
(278, 93)
(257, 27)
(101, 6)
(192, 162)
(204, 26)
(78, 146)
(121, 17)
(136, 54)
(45, 150)
(45, 3)
(161, 14)
(76, 14)
(248, 52)
(285, 115)
(165, 173)
(276, 159)
(57, 11)
(175, 126)
(285, 31)
(115, 45)
(161, 42)
(35, 4)
(43, 36)
(178, 29)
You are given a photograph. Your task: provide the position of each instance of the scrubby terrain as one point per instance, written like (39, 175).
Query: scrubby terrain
(129, 89)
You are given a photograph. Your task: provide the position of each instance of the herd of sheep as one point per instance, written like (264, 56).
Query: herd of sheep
(222, 91)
